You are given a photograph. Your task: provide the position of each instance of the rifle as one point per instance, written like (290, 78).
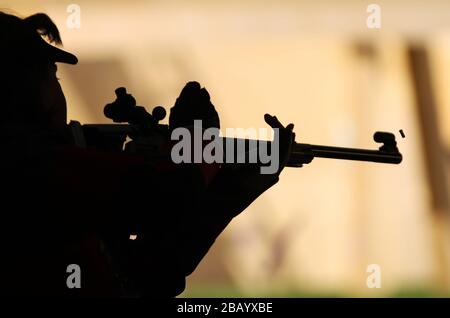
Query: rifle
(144, 135)
(147, 136)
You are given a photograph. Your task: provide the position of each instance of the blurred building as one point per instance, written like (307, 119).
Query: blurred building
(315, 64)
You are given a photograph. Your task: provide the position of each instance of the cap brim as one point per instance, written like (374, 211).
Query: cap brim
(54, 54)
(58, 55)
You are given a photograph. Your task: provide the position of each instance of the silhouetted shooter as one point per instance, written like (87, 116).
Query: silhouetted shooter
(64, 205)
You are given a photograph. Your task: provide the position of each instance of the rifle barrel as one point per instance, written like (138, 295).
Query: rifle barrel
(305, 153)
(393, 157)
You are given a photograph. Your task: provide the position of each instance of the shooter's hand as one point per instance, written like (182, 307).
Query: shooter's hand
(286, 137)
(194, 103)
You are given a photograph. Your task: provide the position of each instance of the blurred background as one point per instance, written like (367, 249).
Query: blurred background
(316, 64)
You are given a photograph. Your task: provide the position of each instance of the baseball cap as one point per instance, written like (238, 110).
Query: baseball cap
(22, 40)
